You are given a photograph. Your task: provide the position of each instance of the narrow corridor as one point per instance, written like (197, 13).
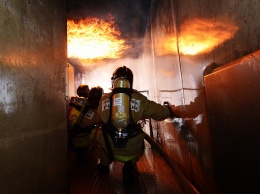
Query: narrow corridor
(155, 176)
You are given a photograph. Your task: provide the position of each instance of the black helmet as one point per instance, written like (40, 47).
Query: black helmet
(83, 90)
(123, 72)
(94, 96)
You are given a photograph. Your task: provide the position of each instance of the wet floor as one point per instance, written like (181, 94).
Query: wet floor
(155, 176)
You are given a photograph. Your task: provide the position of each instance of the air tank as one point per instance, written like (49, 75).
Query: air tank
(120, 105)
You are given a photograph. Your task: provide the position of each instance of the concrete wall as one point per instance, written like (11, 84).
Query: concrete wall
(187, 40)
(33, 142)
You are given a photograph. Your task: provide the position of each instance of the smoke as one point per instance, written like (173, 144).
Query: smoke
(100, 74)
(131, 17)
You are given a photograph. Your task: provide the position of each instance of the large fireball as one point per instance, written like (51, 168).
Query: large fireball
(93, 38)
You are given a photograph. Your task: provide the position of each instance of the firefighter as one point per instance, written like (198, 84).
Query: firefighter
(83, 134)
(122, 139)
(76, 105)
(83, 90)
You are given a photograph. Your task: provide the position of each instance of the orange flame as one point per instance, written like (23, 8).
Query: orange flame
(93, 38)
(197, 36)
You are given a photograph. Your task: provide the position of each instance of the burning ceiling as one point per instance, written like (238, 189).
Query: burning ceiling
(114, 29)
(94, 38)
(197, 35)
(103, 29)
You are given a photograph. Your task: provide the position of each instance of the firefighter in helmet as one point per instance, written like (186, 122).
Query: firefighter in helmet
(84, 132)
(83, 90)
(122, 139)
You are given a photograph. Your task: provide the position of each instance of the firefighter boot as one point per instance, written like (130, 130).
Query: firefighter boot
(130, 172)
(103, 169)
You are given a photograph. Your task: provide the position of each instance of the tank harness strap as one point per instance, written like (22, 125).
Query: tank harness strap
(130, 131)
(77, 129)
(127, 91)
(78, 107)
